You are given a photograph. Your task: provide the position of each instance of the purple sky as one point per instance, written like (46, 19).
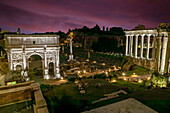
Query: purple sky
(53, 15)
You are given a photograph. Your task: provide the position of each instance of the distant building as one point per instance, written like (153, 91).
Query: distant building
(149, 48)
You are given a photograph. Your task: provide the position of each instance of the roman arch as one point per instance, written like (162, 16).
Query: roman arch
(20, 47)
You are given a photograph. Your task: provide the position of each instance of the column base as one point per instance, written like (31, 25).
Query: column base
(57, 76)
(70, 57)
(47, 77)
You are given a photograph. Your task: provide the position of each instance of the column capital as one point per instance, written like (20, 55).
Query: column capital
(150, 34)
(143, 35)
(137, 35)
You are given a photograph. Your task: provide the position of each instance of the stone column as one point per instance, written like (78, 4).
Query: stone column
(11, 60)
(24, 61)
(141, 53)
(163, 55)
(148, 46)
(136, 46)
(57, 69)
(131, 40)
(126, 45)
(71, 50)
(46, 76)
(158, 52)
(167, 59)
(153, 48)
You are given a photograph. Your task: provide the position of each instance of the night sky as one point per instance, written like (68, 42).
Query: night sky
(53, 15)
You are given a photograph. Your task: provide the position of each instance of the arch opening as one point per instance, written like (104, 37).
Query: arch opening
(51, 69)
(35, 67)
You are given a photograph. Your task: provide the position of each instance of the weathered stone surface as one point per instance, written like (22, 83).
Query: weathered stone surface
(126, 106)
(39, 99)
(42, 110)
(35, 86)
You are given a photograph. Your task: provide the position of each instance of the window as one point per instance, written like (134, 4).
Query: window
(33, 42)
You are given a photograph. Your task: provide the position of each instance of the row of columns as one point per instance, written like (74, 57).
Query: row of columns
(161, 53)
(129, 46)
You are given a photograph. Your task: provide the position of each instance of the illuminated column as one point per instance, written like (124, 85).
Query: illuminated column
(11, 60)
(163, 54)
(71, 50)
(142, 39)
(131, 47)
(46, 76)
(159, 52)
(126, 45)
(57, 69)
(24, 58)
(136, 46)
(153, 47)
(24, 61)
(148, 46)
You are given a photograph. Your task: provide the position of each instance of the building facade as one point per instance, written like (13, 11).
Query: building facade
(149, 48)
(20, 48)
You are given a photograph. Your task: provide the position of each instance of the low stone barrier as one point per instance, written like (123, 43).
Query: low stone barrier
(40, 103)
(110, 96)
(22, 92)
(15, 93)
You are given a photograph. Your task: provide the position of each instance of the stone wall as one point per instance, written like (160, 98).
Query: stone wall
(22, 92)
(149, 64)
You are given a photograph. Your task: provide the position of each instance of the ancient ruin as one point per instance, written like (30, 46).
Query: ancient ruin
(149, 48)
(20, 47)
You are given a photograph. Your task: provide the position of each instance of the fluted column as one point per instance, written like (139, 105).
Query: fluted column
(142, 39)
(136, 46)
(148, 46)
(163, 55)
(126, 45)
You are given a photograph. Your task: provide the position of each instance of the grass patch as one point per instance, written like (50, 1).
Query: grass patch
(67, 98)
(157, 99)
(138, 70)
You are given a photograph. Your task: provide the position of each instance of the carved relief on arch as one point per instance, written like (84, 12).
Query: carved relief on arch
(28, 55)
(17, 56)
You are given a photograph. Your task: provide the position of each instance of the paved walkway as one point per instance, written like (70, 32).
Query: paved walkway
(126, 106)
(53, 82)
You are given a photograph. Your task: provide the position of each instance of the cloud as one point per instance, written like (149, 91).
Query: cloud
(54, 15)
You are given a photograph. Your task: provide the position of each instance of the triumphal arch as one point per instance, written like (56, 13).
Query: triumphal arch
(20, 47)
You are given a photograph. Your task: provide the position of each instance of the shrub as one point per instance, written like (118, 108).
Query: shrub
(100, 76)
(71, 79)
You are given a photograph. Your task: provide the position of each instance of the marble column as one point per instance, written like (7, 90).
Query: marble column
(159, 52)
(126, 45)
(153, 47)
(71, 50)
(11, 60)
(46, 76)
(131, 40)
(57, 69)
(136, 46)
(142, 39)
(163, 55)
(148, 46)
(24, 61)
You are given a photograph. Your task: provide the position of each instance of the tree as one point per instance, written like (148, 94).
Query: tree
(96, 28)
(140, 27)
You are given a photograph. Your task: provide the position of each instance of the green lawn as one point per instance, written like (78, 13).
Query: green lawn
(138, 70)
(66, 97)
